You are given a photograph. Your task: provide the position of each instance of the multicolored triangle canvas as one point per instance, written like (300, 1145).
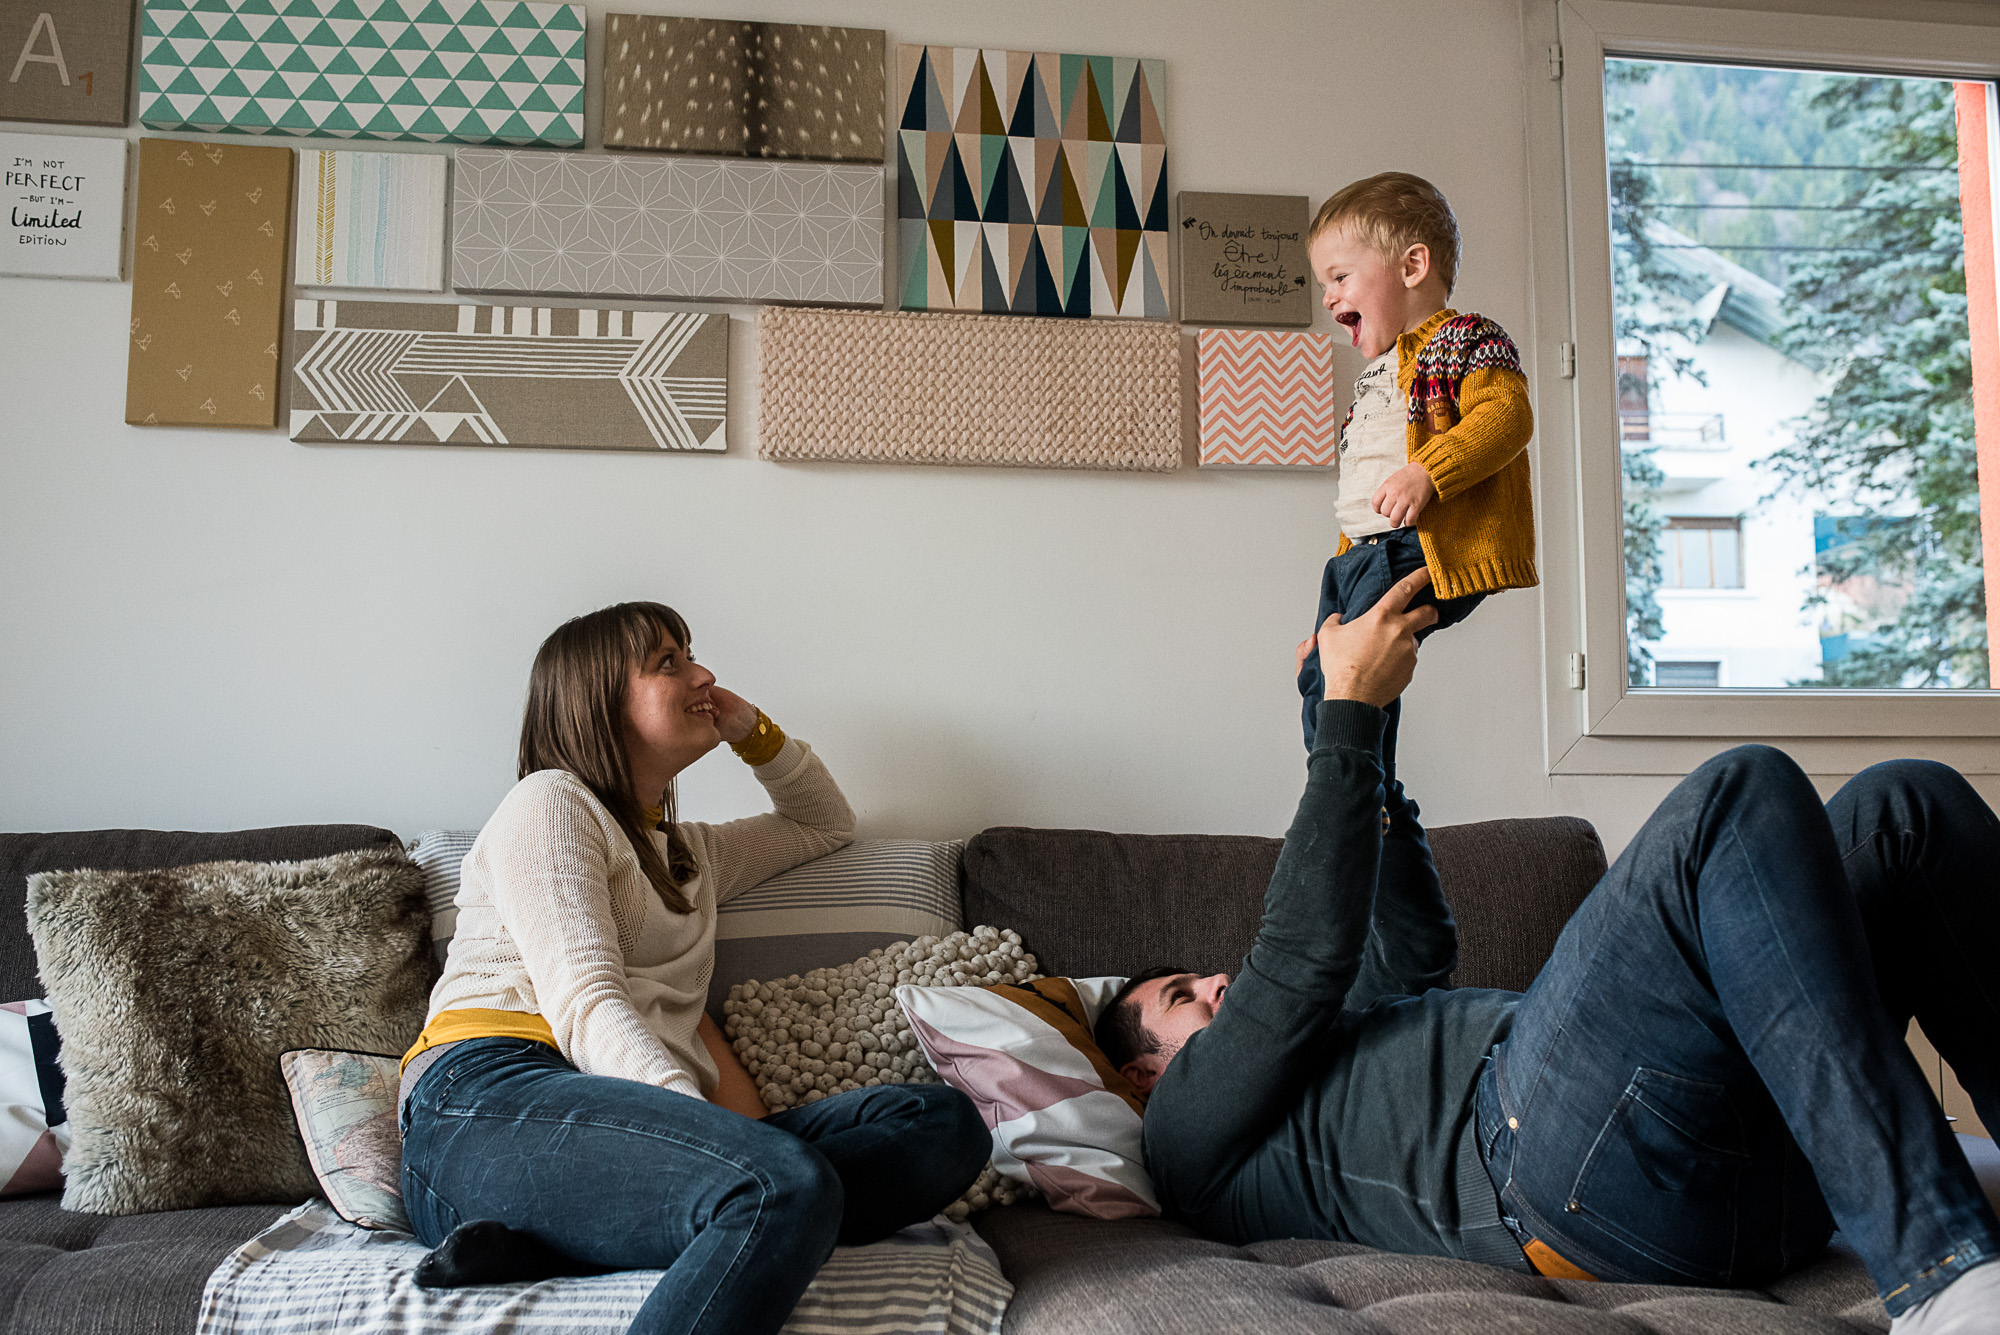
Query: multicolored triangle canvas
(465, 71)
(1032, 183)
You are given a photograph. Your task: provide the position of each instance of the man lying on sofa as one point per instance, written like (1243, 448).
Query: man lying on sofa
(1707, 1075)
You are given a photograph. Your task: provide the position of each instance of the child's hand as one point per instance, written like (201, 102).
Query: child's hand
(1404, 495)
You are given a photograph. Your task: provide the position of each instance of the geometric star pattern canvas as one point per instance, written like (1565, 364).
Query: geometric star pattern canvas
(467, 71)
(1031, 183)
(435, 373)
(1267, 397)
(703, 229)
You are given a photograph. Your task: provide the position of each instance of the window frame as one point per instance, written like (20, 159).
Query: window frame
(1596, 725)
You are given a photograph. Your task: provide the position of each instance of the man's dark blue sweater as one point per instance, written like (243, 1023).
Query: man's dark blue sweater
(1331, 1097)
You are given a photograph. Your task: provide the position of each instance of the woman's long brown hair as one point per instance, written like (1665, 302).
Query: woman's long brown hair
(575, 721)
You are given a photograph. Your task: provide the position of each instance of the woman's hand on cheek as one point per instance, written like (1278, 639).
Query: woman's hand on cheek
(734, 716)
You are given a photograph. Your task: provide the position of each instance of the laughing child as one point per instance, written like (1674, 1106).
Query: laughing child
(1433, 462)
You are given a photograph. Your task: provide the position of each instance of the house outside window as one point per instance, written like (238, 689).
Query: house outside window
(1734, 187)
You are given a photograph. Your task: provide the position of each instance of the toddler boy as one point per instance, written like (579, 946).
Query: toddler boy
(1433, 463)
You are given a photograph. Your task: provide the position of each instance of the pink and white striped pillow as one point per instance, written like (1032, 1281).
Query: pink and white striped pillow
(1062, 1119)
(34, 1130)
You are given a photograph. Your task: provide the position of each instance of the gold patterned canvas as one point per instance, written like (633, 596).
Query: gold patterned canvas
(208, 284)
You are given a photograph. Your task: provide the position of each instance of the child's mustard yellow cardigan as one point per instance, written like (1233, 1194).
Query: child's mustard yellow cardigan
(1469, 424)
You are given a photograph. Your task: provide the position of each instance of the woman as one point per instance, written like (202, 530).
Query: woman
(555, 1109)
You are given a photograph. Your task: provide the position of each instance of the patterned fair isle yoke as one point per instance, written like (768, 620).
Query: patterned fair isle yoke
(1461, 345)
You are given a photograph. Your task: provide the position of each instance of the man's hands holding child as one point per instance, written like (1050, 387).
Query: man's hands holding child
(1403, 496)
(1373, 658)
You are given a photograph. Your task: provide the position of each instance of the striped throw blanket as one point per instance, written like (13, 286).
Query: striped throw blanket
(312, 1272)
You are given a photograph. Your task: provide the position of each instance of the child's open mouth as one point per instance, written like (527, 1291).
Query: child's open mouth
(1352, 319)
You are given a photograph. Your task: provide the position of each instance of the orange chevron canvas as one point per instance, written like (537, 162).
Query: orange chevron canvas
(1267, 397)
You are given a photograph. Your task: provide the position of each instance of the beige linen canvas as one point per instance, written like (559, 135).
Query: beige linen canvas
(208, 284)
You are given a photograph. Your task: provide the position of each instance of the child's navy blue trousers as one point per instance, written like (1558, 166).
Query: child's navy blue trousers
(1354, 582)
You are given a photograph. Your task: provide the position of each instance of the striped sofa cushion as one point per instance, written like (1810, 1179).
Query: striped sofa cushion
(835, 909)
(824, 912)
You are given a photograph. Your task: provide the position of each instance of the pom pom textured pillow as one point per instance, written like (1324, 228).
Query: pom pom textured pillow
(1062, 1118)
(177, 990)
(34, 1131)
(346, 1108)
(808, 1036)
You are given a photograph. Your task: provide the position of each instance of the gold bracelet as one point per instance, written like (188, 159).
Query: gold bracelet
(762, 743)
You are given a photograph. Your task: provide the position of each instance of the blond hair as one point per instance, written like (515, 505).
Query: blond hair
(1392, 212)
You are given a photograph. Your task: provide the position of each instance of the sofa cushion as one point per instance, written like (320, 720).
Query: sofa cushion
(22, 855)
(175, 990)
(65, 1273)
(1075, 1276)
(1087, 902)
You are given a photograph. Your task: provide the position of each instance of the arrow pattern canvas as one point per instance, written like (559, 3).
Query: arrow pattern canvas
(701, 229)
(466, 71)
(1267, 397)
(1031, 183)
(432, 373)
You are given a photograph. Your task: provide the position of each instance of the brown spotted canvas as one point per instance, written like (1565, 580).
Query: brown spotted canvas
(754, 90)
(65, 61)
(208, 284)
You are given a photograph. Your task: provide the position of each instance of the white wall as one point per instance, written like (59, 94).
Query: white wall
(205, 628)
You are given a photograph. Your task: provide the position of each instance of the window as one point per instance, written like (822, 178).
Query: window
(1771, 258)
(1702, 554)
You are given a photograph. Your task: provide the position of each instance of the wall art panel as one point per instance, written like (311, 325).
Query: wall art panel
(208, 284)
(433, 373)
(891, 387)
(1267, 397)
(66, 61)
(706, 229)
(1031, 183)
(1243, 259)
(65, 203)
(465, 71)
(370, 220)
(753, 90)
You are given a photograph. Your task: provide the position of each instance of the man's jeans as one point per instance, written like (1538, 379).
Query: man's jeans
(1713, 1057)
(622, 1175)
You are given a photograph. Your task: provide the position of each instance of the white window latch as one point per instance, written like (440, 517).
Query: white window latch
(1576, 672)
(1556, 62)
(1567, 359)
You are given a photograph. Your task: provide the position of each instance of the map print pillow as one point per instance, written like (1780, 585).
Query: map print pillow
(346, 1106)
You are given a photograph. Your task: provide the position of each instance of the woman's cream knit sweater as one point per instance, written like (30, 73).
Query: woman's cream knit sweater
(555, 917)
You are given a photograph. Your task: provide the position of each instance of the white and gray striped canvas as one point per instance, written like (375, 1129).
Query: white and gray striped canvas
(313, 1273)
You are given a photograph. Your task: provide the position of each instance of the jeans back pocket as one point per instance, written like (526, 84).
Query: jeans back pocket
(1664, 1172)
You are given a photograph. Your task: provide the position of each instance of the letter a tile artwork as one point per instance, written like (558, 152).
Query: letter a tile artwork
(1032, 183)
(208, 284)
(466, 71)
(1267, 397)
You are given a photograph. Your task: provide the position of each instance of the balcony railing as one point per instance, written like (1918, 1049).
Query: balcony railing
(1672, 431)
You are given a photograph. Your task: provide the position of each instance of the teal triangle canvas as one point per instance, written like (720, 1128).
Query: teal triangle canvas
(1075, 128)
(304, 39)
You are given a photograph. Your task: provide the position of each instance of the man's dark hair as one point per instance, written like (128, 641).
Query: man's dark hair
(1121, 1034)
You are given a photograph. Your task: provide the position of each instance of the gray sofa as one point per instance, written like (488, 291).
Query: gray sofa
(1086, 903)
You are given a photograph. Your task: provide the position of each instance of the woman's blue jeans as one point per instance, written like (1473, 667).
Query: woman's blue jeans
(614, 1173)
(1713, 1058)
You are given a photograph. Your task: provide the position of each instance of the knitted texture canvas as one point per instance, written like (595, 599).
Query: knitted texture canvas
(890, 387)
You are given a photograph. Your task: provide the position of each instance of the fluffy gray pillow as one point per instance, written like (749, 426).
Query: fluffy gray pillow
(175, 992)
